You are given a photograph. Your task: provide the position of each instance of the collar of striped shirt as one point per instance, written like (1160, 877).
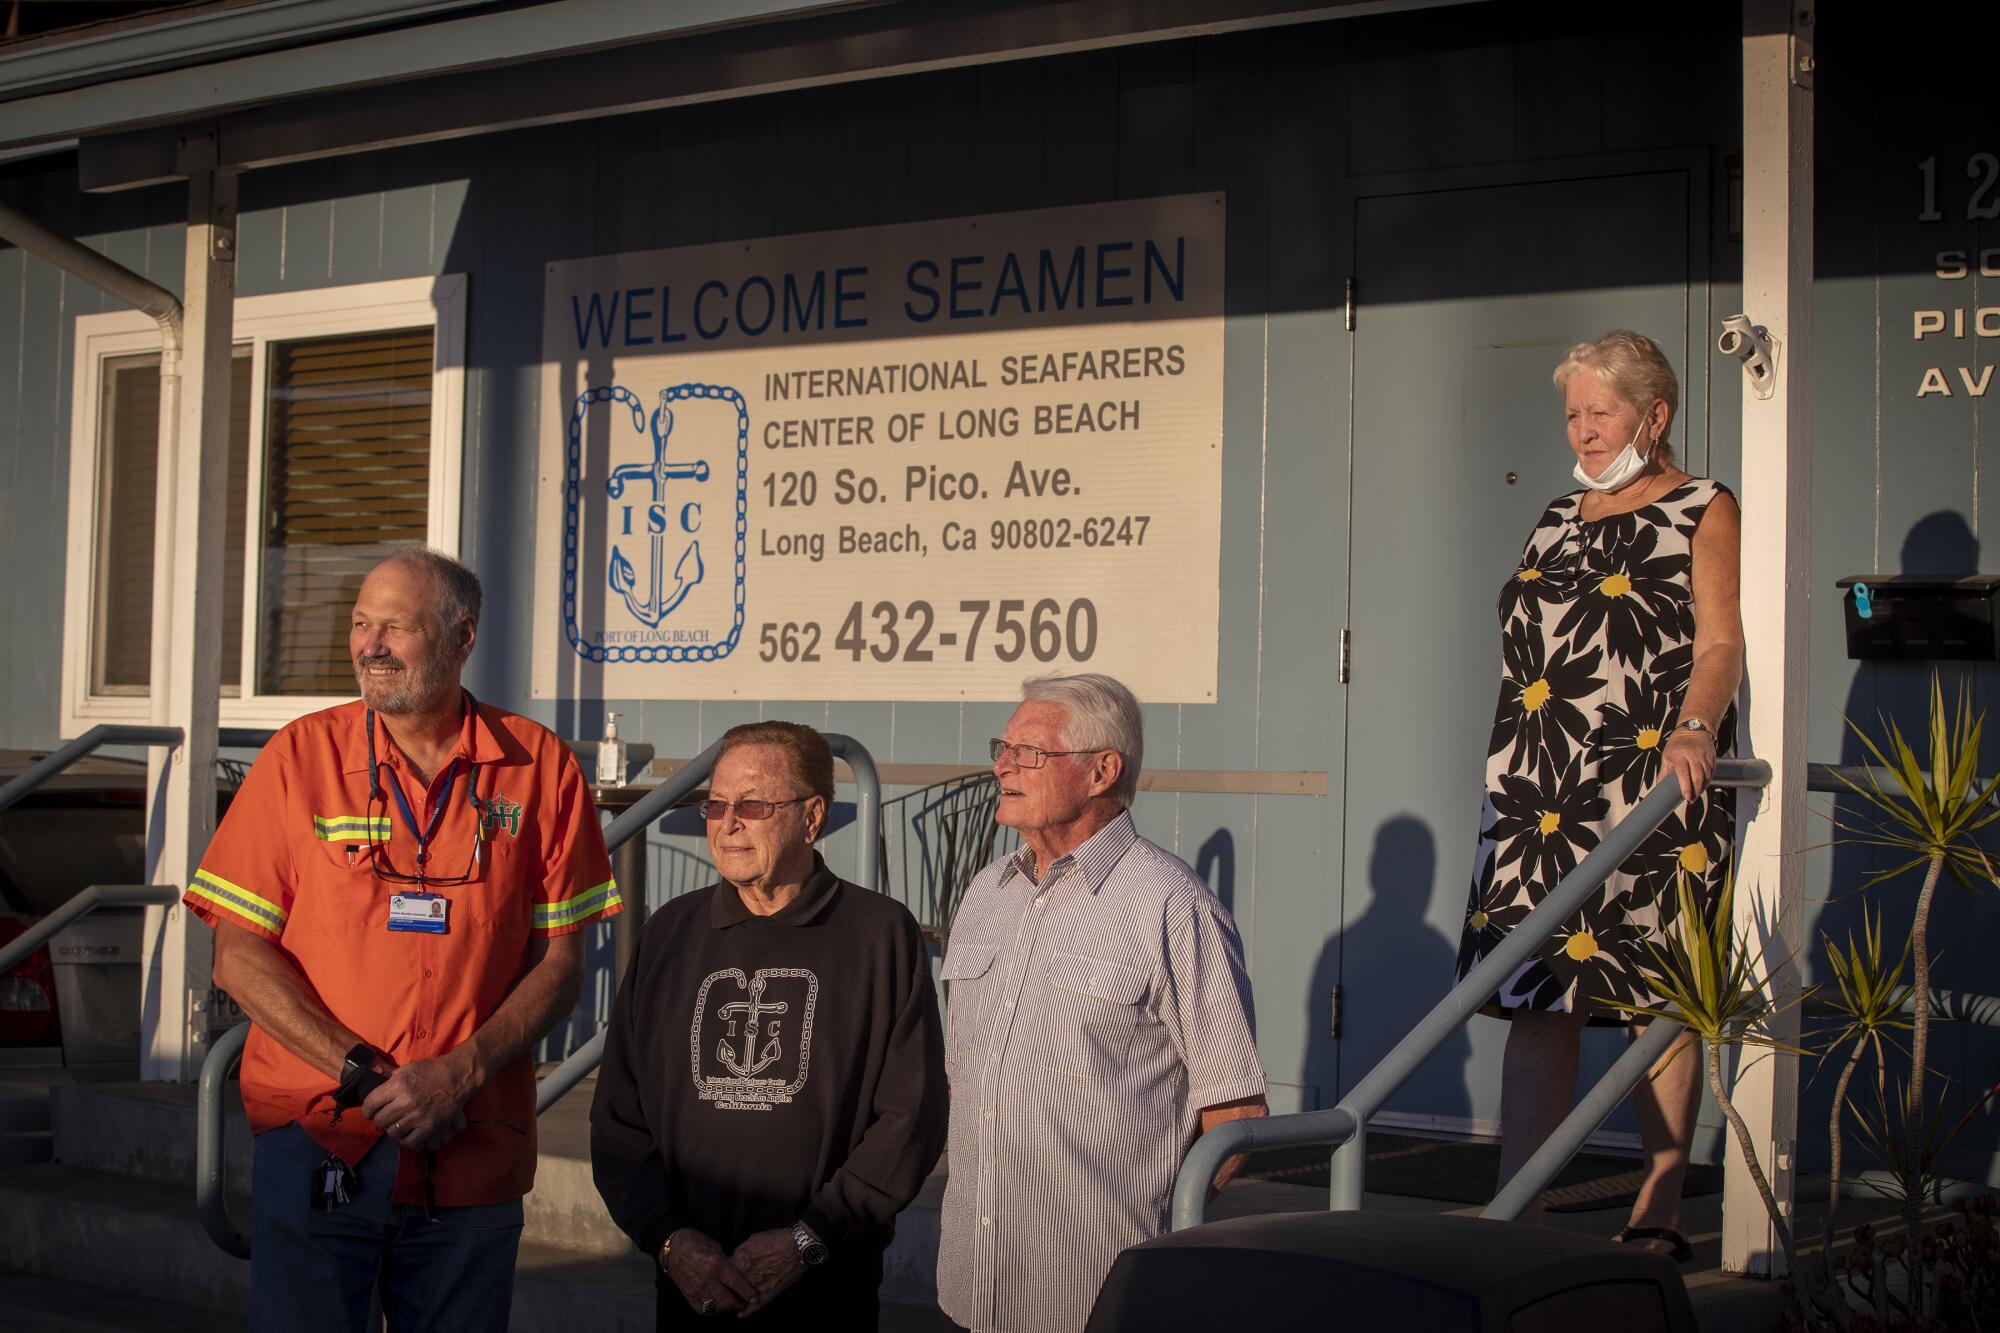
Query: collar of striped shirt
(1094, 857)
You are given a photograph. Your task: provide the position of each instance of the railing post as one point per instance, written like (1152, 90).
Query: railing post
(1347, 1171)
(867, 808)
(210, 1199)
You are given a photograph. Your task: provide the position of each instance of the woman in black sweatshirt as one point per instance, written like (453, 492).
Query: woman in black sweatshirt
(773, 1090)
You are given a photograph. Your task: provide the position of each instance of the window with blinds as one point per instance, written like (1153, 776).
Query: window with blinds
(346, 481)
(128, 444)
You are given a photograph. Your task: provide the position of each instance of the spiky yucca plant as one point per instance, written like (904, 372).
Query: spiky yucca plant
(1868, 1004)
(1709, 978)
(1927, 817)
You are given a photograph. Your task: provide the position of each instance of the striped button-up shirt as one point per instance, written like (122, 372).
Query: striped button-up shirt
(1093, 1016)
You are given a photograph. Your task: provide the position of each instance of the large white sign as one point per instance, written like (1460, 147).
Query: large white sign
(910, 462)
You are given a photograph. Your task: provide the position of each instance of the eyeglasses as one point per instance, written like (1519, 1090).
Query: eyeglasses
(713, 810)
(1026, 756)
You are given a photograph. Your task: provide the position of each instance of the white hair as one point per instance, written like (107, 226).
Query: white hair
(1099, 714)
(1632, 366)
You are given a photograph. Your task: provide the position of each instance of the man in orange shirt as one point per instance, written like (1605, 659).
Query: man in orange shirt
(397, 891)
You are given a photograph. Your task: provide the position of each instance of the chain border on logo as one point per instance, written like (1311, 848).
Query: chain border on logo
(753, 1089)
(572, 503)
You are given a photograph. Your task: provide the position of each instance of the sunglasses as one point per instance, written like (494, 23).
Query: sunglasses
(713, 810)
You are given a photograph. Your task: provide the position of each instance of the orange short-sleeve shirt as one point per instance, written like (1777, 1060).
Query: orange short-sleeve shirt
(295, 861)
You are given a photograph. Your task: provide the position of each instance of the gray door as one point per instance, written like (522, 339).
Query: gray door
(1466, 300)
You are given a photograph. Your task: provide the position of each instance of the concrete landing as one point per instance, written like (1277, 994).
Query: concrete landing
(111, 1222)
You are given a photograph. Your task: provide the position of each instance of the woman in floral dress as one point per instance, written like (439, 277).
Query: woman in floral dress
(1621, 650)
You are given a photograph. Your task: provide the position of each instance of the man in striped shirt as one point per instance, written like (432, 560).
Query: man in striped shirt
(397, 895)
(1099, 1019)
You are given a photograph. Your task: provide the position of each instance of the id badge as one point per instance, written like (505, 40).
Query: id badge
(425, 913)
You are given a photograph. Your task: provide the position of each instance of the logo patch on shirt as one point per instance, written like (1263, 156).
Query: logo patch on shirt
(500, 813)
(752, 1036)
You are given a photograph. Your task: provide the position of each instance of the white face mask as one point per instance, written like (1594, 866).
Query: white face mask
(1629, 464)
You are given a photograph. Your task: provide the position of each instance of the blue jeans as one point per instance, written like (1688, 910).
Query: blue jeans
(313, 1270)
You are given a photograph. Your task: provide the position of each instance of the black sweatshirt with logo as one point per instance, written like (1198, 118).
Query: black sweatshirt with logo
(760, 1071)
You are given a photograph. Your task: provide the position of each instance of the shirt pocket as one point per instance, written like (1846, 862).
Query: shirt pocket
(1094, 1005)
(964, 971)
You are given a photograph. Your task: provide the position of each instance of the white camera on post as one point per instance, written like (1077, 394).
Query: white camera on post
(1753, 345)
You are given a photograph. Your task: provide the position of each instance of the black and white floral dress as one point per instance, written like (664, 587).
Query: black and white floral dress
(1597, 643)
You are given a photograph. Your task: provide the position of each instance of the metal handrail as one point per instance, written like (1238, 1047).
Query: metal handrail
(116, 733)
(55, 761)
(1586, 1118)
(1345, 1125)
(867, 807)
(90, 899)
(209, 1200)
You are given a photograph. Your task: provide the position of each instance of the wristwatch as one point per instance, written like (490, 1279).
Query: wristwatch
(357, 1079)
(665, 1246)
(1697, 725)
(812, 1250)
(360, 1058)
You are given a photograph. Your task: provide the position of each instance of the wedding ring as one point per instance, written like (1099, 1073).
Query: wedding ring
(397, 1129)
(708, 1306)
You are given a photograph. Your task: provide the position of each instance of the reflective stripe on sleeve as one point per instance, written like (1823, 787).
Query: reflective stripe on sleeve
(235, 898)
(569, 911)
(351, 828)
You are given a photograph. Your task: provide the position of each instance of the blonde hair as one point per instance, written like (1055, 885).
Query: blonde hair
(1632, 366)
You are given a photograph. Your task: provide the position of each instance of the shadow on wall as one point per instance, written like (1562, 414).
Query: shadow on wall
(1215, 866)
(1394, 964)
(1940, 543)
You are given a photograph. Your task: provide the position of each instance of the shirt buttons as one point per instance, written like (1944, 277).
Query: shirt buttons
(986, 1221)
(423, 1032)
(427, 971)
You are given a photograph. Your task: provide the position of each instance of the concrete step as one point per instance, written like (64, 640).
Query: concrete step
(92, 1251)
(146, 1132)
(45, 1305)
(25, 1147)
(23, 1105)
(117, 1234)
(25, 1137)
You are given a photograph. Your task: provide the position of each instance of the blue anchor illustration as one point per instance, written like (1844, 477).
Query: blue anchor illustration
(688, 571)
(754, 1061)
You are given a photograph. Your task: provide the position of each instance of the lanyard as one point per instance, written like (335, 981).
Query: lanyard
(424, 835)
(429, 831)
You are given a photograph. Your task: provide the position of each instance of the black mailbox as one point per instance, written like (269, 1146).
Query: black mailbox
(1921, 618)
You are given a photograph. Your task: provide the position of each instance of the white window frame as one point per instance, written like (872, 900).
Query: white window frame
(259, 321)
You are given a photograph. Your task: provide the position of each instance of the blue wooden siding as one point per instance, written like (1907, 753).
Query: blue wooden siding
(1283, 121)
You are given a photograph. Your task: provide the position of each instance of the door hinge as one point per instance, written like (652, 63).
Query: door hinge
(1333, 1013)
(1345, 642)
(1804, 63)
(1350, 305)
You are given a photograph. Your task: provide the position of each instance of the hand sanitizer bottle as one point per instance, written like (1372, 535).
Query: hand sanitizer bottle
(611, 755)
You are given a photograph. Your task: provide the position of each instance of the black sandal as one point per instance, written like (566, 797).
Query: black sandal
(1681, 1253)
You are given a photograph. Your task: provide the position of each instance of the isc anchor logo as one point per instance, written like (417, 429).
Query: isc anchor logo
(672, 512)
(751, 1040)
